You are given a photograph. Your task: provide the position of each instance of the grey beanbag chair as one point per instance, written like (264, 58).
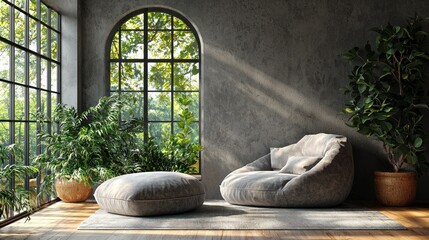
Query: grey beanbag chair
(317, 171)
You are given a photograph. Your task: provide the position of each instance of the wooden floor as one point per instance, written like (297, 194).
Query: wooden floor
(60, 221)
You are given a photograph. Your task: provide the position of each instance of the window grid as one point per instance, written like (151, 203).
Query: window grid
(146, 61)
(24, 124)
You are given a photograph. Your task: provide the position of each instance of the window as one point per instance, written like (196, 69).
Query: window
(29, 77)
(155, 56)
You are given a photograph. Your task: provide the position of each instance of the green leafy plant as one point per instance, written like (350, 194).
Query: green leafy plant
(175, 152)
(180, 147)
(388, 92)
(17, 199)
(90, 147)
(98, 144)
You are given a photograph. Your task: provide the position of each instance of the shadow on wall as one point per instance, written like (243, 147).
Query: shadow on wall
(266, 93)
(298, 113)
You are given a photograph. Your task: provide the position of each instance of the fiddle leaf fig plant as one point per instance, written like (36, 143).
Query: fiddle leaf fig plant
(388, 92)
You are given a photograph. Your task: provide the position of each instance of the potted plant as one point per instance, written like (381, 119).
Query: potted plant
(388, 96)
(18, 199)
(87, 149)
(97, 144)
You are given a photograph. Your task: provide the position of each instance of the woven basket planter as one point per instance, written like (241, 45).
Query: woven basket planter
(395, 189)
(72, 191)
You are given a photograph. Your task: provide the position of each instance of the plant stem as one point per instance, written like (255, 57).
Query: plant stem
(391, 157)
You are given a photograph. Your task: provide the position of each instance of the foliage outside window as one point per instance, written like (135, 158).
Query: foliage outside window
(29, 81)
(155, 56)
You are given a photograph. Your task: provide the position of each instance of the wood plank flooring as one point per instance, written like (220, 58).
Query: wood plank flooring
(60, 221)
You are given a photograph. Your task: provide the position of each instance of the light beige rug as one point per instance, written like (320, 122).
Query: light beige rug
(221, 215)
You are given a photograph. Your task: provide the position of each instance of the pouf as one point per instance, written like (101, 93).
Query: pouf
(150, 193)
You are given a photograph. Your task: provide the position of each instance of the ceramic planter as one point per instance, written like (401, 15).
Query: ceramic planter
(395, 189)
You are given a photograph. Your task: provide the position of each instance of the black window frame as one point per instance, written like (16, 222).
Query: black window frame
(47, 91)
(146, 61)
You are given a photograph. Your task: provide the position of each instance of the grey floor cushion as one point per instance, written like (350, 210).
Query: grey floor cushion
(150, 193)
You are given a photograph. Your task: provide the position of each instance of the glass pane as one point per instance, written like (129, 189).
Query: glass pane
(4, 20)
(44, 102)
(4, 61)
(134, 109)
(44, 74)
(44, 41)
(132, 46)
(19, 158)
(54, 102)
(136, 22)
(159, 20)
(179, 24)
(4, 101)
(4, 133)
(114, 49)
(54, 77)
(33, 35)
(54, 45)
(193, 106)
(159, 106)
(33, 190)
(55, 128)
(33, 140)
(19, 28)
(19, 141)
(159, 76)
(20, 4)
(194, 134)
(33, 103)
(132, 76)
(159, 45)
(44, 13)
(33, 7)
(159, 131)
(114, 76)
(186, 76)
(54, 19)
(185, 45)
(19, 66)
(44, 129)
(19, 102)
(33, 70)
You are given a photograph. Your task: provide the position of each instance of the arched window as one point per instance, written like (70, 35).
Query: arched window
(155, 56)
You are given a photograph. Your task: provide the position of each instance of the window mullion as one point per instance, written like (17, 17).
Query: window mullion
(59, 82)
(49, 68)
(172, 75)
(145, 79)
(38, 81)
(27, 95)
(12, 92)
(120, 62)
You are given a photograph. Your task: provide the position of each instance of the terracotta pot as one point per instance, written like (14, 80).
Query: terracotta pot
(395, 189)
(72, 191)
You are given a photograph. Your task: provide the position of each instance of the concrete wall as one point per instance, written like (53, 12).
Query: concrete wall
(272, 72)
(70, 70)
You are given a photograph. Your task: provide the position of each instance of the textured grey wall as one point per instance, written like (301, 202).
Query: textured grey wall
(272, 72)
(70, 50)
